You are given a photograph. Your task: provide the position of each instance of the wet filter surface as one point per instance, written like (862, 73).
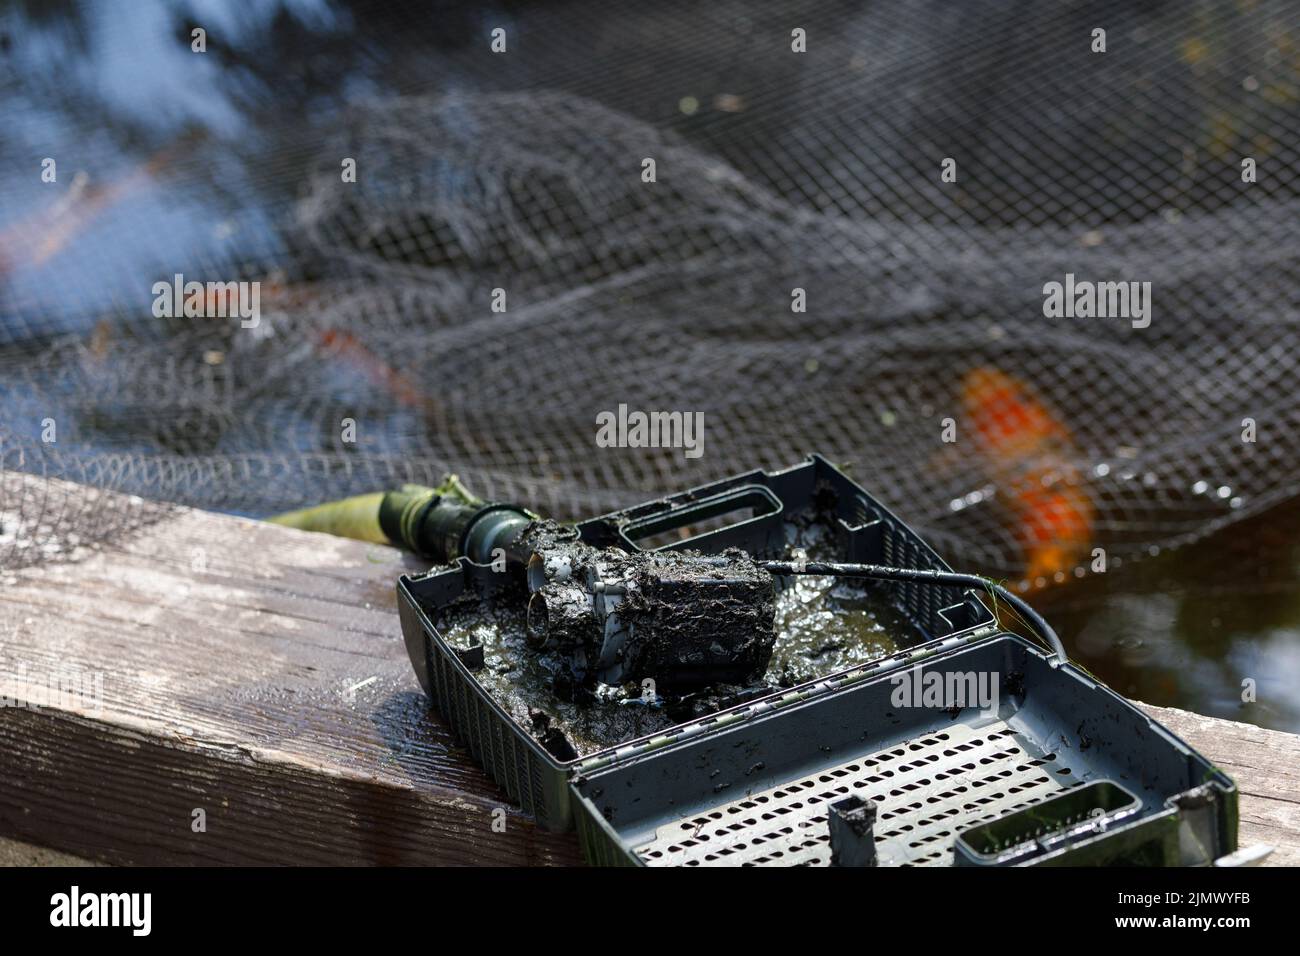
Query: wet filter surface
(823, 625)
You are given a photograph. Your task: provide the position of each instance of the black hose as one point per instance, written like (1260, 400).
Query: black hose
(922, 576)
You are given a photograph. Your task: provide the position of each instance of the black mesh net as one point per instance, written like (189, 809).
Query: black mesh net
(800, 271)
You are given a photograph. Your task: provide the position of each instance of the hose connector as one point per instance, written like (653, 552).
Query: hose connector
(444, 527)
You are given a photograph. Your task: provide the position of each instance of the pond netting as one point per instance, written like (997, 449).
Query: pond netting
(847, 250)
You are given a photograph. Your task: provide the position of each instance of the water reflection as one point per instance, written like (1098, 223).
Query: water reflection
(1201, 627)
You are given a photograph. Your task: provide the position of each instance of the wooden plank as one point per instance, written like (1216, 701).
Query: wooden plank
(250, 671)
(1266, 766)
(257, 673)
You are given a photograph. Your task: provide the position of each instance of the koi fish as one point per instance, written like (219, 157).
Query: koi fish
(1028, 451)
(37, 239)
(276, 293)
(348, 347)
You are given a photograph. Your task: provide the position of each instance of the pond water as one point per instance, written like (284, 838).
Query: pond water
(204, 154)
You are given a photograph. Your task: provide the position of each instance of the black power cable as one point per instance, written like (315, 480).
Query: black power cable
(922, 576)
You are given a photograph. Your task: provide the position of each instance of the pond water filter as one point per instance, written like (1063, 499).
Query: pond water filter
(680, 620)
(609, 616)
(834, 770)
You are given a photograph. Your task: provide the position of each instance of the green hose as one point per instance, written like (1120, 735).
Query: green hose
(365, 517)
(356, 517)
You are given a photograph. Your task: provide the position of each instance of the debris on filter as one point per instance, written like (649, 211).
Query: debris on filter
(827, 624)
(523, 681)
(689, 619)
(822, 625)
(680, 619)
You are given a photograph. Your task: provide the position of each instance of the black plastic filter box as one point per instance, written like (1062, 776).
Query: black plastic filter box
(1063, 771)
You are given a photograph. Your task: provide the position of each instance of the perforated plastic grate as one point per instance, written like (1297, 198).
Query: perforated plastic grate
(925, 791)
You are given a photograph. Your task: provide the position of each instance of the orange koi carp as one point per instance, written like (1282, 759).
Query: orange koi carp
(1028, 452)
